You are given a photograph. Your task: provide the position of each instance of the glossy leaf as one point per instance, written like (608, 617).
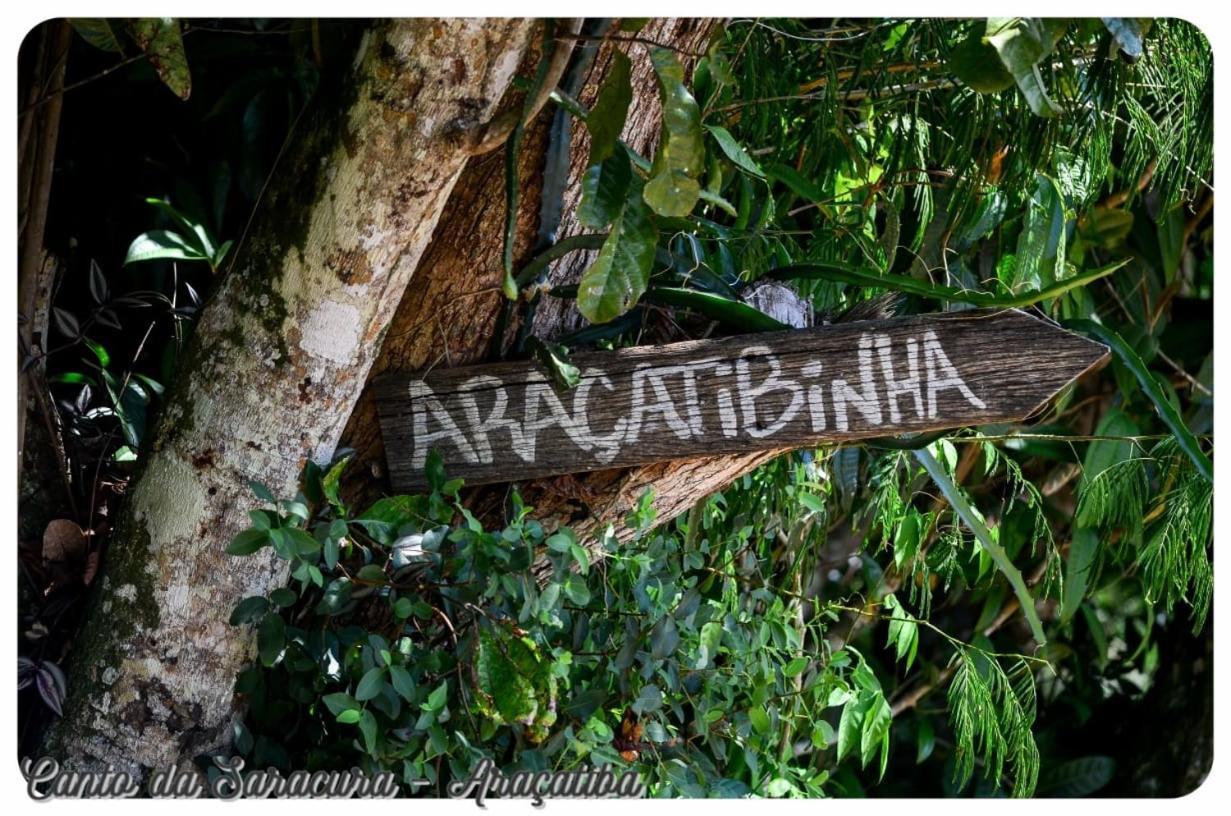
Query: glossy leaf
(604, 188)
(673, 188)
(605, 120)
(1022, 43)
(620, 274)
(162, 245)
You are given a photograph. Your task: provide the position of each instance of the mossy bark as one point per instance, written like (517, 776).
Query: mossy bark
(273, 370)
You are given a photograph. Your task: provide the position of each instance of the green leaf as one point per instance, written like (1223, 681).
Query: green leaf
(925, 740)
(1022, 43)
(576, 590)
(673, 189)
(553, 357)
(604, 187)
(283, 597)
(337, 595)
(664, 639)
(370, 684)
(759, 720)
(974, 522)
(850, 724)
(1082, 550)
(439, 696)
(304, 543)
(248, 610)
(618, 277)
(731, 313)
(350, 716)
(795, 667)
(372, 573)
(1152, 388)
(261, 491)
(98, 32)
(162, 245)
(159, 38)
(248, 542)
(332, 479)
(339, 702)
(402, 683)
(1040, 245)
(367, 727)
(271, 639)
(875, 728)
(977, 64)
(649, 700)
(735, 151)
(606, 118)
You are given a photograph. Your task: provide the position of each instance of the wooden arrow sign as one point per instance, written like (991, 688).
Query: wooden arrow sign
(505, 422)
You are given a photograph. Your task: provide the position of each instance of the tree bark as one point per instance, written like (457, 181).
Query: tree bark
(271, 375)
(448, 316)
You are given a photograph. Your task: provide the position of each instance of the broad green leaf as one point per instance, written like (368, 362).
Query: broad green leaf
(162, 245)
(576, 590)
(850, 724)
(925, 740)
(649, 700)
(283, 597)
(734, 150)
(673, 189)
(604, 188)
(734, 314)
(339, 702)
(664, 638)
(191, 231)
(248, 542)
(875, 728)
(370, 684)
(1082, 550)
(1040, 245)
(977, 64)
(337, 595)
(159, 38)
(606, 118)
(618, 277)
(439, 696)
(98, 32)
(554, 359)
(402, 683)
(248, 610)
(760, 721)
(368, 727)
(1022, 43)
(271, 639)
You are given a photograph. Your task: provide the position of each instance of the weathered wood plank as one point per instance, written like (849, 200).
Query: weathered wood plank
(505, 422)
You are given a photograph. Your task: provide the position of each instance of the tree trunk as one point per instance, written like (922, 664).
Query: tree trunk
(271, 375)
(448, 316)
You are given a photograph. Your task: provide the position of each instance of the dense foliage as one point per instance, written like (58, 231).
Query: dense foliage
(930, 615)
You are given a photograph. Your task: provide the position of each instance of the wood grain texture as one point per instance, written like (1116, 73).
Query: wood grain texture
(504, 422)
